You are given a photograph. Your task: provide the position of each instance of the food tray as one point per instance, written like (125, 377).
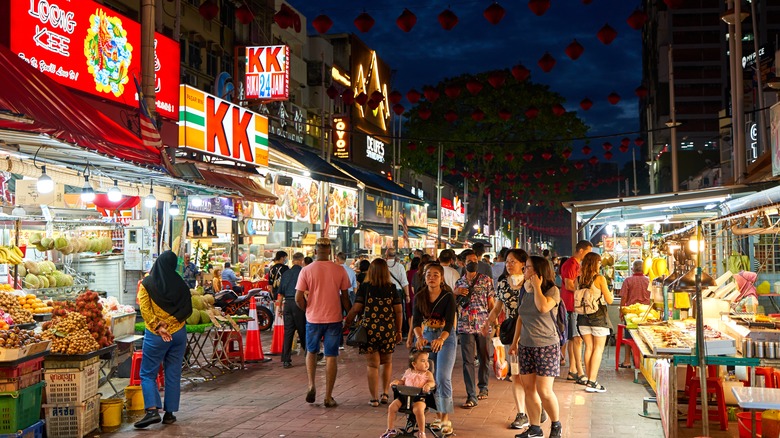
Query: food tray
(14, 354)
(34, 431)
(20, 409)
(653, 336)
(40, 317)
(72, 420)
(21, 382)
(71, 385)
(70, 360)
(9, 370)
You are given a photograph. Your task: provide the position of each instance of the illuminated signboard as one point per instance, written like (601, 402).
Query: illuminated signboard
(88, 47)
(268, 72)
(774, 138)
(217, 127)
(369, 74)
(341, 138)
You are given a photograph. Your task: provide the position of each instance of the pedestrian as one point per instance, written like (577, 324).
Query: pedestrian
(294, 317)
(341, 259)
(190, 272)
(275, 272)
(307, 261)
(451, 275)
(362, 271)
(635, 289)
(570, 271)
(474, 293)
(434, 322)
(398, 277)
(164, 300)
(595, 327)
(216, 280)
(322, 292)
(418, 376)
(483, 267)
(230, 276)
(378, 302)
(499, 267)
(537, 345)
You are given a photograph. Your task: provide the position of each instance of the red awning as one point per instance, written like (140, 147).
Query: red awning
(247, 187)
(57, 112)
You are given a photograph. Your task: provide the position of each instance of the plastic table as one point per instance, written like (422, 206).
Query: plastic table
(756, 398)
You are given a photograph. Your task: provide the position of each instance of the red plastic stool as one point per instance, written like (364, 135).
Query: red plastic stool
(714, 386)
(135, 371)
(229, 348)
(620, 341)
(769, 378)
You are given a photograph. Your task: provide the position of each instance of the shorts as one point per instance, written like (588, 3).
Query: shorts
(573, 332)
(542, 361)
(329, 333)
(595, 331)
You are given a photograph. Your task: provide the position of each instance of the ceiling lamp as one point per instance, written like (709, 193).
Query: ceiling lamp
(322, 23)
(406, 20)
(150, 201)
(730, 16)
(174, 209)
(773, 83)
(196, 201)
(87, 192)
(114, 194)
(45, 183)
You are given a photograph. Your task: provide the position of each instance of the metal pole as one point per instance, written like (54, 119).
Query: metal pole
(701, 354)
(177, 23)
(673, 121)
(739, 109)
(733, 96)
(760, 83)
(147, 53)
(438, 198)
(633, 158)
(651, 147)
(395, 178)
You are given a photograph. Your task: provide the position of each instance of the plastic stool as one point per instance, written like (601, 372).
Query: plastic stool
(229, 349)
(769, 378)
(714, 386)
(135, 371)
(620, 341)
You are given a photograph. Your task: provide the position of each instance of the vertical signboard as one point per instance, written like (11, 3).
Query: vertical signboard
(751, 134)
(268, 72)
(341, 137)
(774, 123)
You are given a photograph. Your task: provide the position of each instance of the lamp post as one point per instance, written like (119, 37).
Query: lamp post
(439, 186)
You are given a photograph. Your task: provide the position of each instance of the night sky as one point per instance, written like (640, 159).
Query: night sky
(429, 54)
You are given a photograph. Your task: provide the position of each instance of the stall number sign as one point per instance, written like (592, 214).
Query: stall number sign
(89, 47)
(752, 143)
(268, 72)
(341, 138)
(217, 127)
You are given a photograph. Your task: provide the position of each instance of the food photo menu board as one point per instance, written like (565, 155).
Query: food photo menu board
(297, 202)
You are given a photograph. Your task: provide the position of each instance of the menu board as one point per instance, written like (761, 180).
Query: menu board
(416, 215)
(299, 202)
(343, 206)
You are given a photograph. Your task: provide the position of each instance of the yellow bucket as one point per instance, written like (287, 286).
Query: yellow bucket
(134, 398)
(111, 412)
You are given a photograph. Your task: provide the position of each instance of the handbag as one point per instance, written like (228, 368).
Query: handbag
(358, 335)
(507, 332)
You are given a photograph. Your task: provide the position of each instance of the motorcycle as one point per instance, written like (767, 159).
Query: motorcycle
(233, 304)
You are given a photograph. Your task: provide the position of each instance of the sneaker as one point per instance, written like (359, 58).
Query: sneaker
(556, 430)
(287, 364)
(151, 417)
(531, 433)
(595, 387)
(341, 347)
(543, 417)
(390, 433)
(169, 418)
(521, 421)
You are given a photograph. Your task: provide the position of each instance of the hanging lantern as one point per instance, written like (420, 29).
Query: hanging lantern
(531, 112)
(538, 174)
(532, 192)
(641, 91)
(494, 13)
(674, 4)
(540, 184)
(477, 115)
(398, 109)
(395, 97)
(538, 7)
(412, 146)
(451, 116)
(639, 141)
(607, 34)
(449, 153)
(430, 150)
(361, 98)
(377, 96)
(447, 19)
(413, 96)
(364, 22)
(452, 91)
(527, 184)
(623, 148)
(373, 104)
(625, 141)
(244, 15)
(509, 157)
(586, 150)
(608, 155)
(546, 62)
(474, 86)
(511, 176)
(424, 113)
(489, 157)
(637, 19)
(583, 186)
(528, 157)
(574, 50)
(453, 172)
(497, 79)
(348, 96)
(550, 172)
(322, 23)
(209, 9)
(566, 153)
(332, 92)
(558, 110)
(613, 98)
(607, 146)
(520, 72)
(593, 161)
(579, 165)
(470, 156)
(296, 21)
(431, 94)
(586, 104)
(564, 170)
(406, 20)
(504, 114)
(546, 155)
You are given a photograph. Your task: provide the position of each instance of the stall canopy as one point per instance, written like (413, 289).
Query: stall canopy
(320, 169)
(763, 200)
(233, 180)
(32, 102)
(376, 183)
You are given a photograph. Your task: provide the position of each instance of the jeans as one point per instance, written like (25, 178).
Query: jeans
(294, 320)
(170, 355)
(444, 361)
(471, 345)
(328, 333)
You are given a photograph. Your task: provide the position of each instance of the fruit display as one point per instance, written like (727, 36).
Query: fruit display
(737, 262)
(17, 338)
(34, 304)
(655, 267)
(86, 305)
(201, 304)
(71, 245)
(9, 303)
(43, 275)
(11, 255)
(635, 314)
(69, 335)
(111, 307)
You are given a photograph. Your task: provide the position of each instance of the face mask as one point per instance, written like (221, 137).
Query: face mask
(515, 280)
(471, 267)
(529, 287)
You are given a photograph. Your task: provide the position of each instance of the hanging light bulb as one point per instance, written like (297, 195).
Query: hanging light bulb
(196, 201)
(114, 194)
(150, 201)
(87, 192)
(45, 183)
(174, 208)
(610, 229)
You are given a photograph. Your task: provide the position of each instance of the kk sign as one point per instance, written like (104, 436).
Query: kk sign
(268, 72)
(220, 128)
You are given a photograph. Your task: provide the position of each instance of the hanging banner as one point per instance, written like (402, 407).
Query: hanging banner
(380, 210)
(214, 206)
(268, 72)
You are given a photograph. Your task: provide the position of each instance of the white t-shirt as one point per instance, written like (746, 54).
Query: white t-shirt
(398, 274)
(451, 276)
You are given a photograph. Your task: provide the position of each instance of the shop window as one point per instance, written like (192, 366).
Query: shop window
(212, 64)
(194, 58)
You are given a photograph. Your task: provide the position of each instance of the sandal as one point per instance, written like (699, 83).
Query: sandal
(625, 365)
(446, 428)
(582, 380)
(435, 425)
(374, 403)
(390, 433)
(420, 434)
(572, 376)
(468, 405)
(311, 395)
(330, 403)
(482, 394)
(383, 398)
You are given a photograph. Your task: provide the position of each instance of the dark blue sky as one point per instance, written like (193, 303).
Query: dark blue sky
(428, 53)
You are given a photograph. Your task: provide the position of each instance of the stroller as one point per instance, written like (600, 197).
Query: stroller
(408, 395)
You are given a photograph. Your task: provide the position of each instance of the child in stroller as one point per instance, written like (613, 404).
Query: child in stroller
(411, 390)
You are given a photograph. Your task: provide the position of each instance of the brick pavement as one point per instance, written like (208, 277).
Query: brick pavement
(266, 400)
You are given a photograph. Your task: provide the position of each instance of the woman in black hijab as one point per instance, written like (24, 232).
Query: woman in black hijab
(165, 304)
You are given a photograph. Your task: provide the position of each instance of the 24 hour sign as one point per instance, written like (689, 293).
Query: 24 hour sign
(268, 73)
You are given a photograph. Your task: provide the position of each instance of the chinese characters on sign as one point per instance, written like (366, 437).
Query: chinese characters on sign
(268, 72)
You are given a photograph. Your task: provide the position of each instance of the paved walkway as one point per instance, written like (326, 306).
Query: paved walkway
(267, 400)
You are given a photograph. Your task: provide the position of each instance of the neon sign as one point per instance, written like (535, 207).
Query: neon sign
(341, 138)
(268, 72)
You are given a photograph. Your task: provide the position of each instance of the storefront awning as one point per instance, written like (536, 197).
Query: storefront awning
(320, 169)
(376, 183)
(32, 102)
(244, 185)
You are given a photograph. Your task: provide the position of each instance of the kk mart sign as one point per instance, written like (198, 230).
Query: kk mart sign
(268, 73)
(220, 128)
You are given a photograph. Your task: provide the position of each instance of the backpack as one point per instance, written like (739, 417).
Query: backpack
(587, 300)
(560, 322)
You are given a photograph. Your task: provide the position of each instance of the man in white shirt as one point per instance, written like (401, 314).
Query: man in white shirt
(397, 273)
(500, 264)
(451, 275)
(341, 259)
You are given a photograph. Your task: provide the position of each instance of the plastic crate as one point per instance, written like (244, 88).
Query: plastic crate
(20, 409)
(34, 431)
(25, 367)
(71, 385)
(57, 363)
(21, 382)
(72, 420)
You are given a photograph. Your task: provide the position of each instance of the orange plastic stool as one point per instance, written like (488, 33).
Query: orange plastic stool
(714, 386)
(230, 348)
(620, 341)
(769, 377)
(135, 371)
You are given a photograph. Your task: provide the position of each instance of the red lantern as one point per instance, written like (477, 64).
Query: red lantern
(520, 73)
(564, 170)
(550, 172)
(406, 20)
(489, 157)
(538, 174)
(494, 13)
(613, 98)
(348, 96)
(546, 156)
(574, 50)
(451, 116)
(511, 176)
(528, 156)
(593, 161)
(431, 94)
(452, 91)
(586, 104)
(447, 19)
(497, 79)
(322, 23)
(364, 22)
(424, 113)
(209, 9)
(623, 148)
(430, 150)
(474, 86)
(625, 141)
(579, 165)
(244, 15)
(608, 155)
(477, 115)
(546, 62)
(532, 112)
(639, 141)
(607, 34)
(540, 184)
(373, 104)
(558, 110)
(398, 109)
(674, 4)
(453, 171)
(641, 91)
(394, 97)
(361, 98)
(586, 150)
(509, 157)
(449, 153)
(296, 21)
(607, 146)
(539, 7)
(413, 96)
(470, 156)
(332, 92)
(637, 19)
(377, 96)
(504, 114)
(412, 146)
(566, 153)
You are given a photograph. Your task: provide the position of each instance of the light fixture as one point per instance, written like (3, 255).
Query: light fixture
(150, 201)
(114, 193)
(609, 229)
(196, 201)
(427, 205)
(18, 211)
(773, 83)
(87, 192)
(684, 203)
(696, 246)
(730, 16)
(174, 209)
(666, 220)
(306, 173)
(45, 183)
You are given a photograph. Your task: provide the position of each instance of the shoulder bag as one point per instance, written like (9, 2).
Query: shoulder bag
(507, 331)
(358, 334)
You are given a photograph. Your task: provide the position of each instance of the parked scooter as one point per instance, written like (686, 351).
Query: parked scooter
(233, 304)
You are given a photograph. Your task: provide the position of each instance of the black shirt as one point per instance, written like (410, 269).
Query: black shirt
(287, 282)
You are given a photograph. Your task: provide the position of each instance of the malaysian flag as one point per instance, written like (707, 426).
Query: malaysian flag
(325, 221)
(404, 225)
(149, 134)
